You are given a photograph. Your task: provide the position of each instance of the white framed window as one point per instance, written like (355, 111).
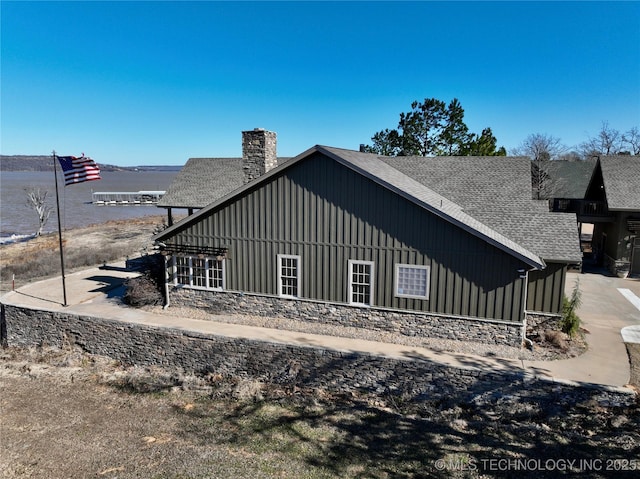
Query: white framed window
(199, 272)
(412, 281)
(361, 282)
(182, 272)
(289, 276)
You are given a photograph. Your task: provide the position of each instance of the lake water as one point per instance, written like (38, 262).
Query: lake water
(76, 209)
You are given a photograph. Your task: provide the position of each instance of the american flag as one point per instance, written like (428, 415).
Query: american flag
(78, 170)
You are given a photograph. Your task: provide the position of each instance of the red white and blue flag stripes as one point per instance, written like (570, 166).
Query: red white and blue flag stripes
(78, 170)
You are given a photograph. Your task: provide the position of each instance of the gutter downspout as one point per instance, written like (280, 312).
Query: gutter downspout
(166, 276)
(166, 295)
(525, 340)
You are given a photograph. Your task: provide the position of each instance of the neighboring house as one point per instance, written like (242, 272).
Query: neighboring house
(612, 204)
(564, 184)
(567, 184)
(443, 247)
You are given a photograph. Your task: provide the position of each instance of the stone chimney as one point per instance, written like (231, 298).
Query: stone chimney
(258, 153)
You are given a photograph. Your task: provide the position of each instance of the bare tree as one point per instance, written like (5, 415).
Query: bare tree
(631, 140)
(37, 199)
(541, 148)
(608, 141)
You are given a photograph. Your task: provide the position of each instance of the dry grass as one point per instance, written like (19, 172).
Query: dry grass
(93, 245)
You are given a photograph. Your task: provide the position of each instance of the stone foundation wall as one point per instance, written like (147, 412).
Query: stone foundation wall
(407, 323)
(413, 378)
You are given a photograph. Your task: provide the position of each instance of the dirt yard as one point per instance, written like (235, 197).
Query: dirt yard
(66, 414)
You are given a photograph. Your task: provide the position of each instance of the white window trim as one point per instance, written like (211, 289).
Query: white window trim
(353, 262)
(396, 278)
(208, 271)
(298, 275)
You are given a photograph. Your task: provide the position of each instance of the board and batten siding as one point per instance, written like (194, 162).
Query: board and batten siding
(328, 214)
(546, 289)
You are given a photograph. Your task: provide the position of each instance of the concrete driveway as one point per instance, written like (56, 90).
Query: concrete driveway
(604, 312)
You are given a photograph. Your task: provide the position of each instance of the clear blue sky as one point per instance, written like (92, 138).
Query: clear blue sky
(134, 83)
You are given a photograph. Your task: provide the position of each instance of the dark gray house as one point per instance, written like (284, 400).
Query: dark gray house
(567, 184)
(445, 247)
(612, 204)
(564, 184)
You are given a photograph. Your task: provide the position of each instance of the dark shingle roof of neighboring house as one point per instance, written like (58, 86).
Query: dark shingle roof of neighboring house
(203, 180)
(621, 176)
(569, 179)
(520, 230)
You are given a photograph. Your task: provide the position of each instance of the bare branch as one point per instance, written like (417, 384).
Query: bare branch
(37, 200)
(608, 141)
(631, 139)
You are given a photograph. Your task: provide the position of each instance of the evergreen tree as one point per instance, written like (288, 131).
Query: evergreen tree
(484, 144)
(433, 128)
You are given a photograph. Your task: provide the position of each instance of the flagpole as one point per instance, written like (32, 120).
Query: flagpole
(64, 286)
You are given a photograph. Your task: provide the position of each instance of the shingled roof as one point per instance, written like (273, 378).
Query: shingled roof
(471, 181)
(201, 181)
(569, 179)
(621, 176)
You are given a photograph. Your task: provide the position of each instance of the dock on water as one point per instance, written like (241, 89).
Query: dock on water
(126, 198)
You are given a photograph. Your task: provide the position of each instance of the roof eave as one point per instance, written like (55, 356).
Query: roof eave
(563, 260)
(533, 260)
(626, 210)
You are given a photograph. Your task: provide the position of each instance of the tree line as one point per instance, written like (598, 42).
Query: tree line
(435, 128)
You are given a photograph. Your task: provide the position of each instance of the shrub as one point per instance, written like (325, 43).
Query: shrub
(557, 339)
(147, 289)
(570, 323)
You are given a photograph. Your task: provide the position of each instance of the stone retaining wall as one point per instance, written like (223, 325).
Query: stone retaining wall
(408, 323)
(416, 379)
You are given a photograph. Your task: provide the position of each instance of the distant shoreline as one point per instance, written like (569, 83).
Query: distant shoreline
(44, 163)
(12, 238)
(153, 218)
